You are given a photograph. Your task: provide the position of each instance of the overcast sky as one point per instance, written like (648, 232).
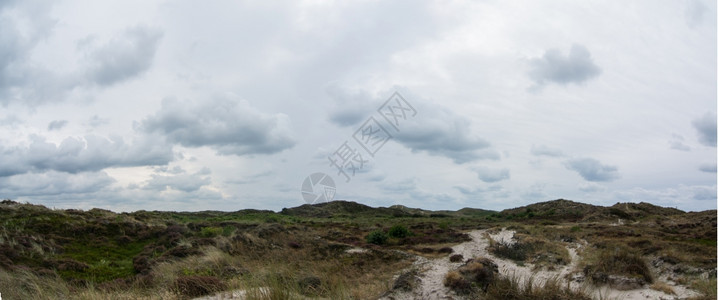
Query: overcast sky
(226, 105)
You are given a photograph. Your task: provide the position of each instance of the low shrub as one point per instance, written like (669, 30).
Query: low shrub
(456, 258)
(376, 237)
(478, 272)
(446, 250)
(620, 262)
(195, 286)
(398, 231)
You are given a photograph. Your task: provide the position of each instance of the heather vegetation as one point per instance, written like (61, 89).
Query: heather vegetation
(342, 250)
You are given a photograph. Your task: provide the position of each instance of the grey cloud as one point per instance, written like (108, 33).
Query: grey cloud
(592, 170)
(23, 24)
(124, 57)
(467, 191)
(672, 196)
(535, 192)
(96, 121)
(10, 121)
(695, 12)
(676, 143)
(376, 176)
(227, 125)
(74, 155)
(577, 67)
(590, 187)
(706, 127)
(56, 125)
(166, 169)
(400, 187)
(254, 178)
(441, 132)
(704, 193)
(12, 56)
(543, 150)
(708, 168)
(53, 183)
(492, 175)
(350, 108)
(182, 181)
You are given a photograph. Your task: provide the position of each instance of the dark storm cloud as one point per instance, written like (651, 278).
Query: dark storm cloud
(441, 132)
(229, 126)
(124, 57)
(75, 155)
(492, 175)
(592, 170)
(577, 67)
(543, 150)
(706, 127)
(56, 125)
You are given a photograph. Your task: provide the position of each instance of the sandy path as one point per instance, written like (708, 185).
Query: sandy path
(432, 272)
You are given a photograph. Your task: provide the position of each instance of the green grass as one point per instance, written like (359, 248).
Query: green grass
(107, 261)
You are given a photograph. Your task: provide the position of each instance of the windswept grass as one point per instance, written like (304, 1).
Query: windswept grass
(514, 288)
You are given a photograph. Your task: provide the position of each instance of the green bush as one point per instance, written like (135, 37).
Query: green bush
(376, 237)
(210, 231)
(398, 231)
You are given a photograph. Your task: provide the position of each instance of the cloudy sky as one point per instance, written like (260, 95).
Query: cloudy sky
(225, 105)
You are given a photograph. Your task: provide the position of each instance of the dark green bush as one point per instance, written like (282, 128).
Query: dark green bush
(376, 237)
(398, 231)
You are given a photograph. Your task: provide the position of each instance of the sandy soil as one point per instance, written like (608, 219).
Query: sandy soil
(432, 272)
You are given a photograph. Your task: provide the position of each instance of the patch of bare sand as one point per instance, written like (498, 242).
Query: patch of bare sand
(432, 272)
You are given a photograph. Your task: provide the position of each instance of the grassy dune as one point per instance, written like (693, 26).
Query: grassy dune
(305, 251)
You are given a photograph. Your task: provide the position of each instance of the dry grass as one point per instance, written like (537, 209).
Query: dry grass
(276, 256)
(535, 249)
(707, 287)
(663, 287)
(512, 287)
(619, 261)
